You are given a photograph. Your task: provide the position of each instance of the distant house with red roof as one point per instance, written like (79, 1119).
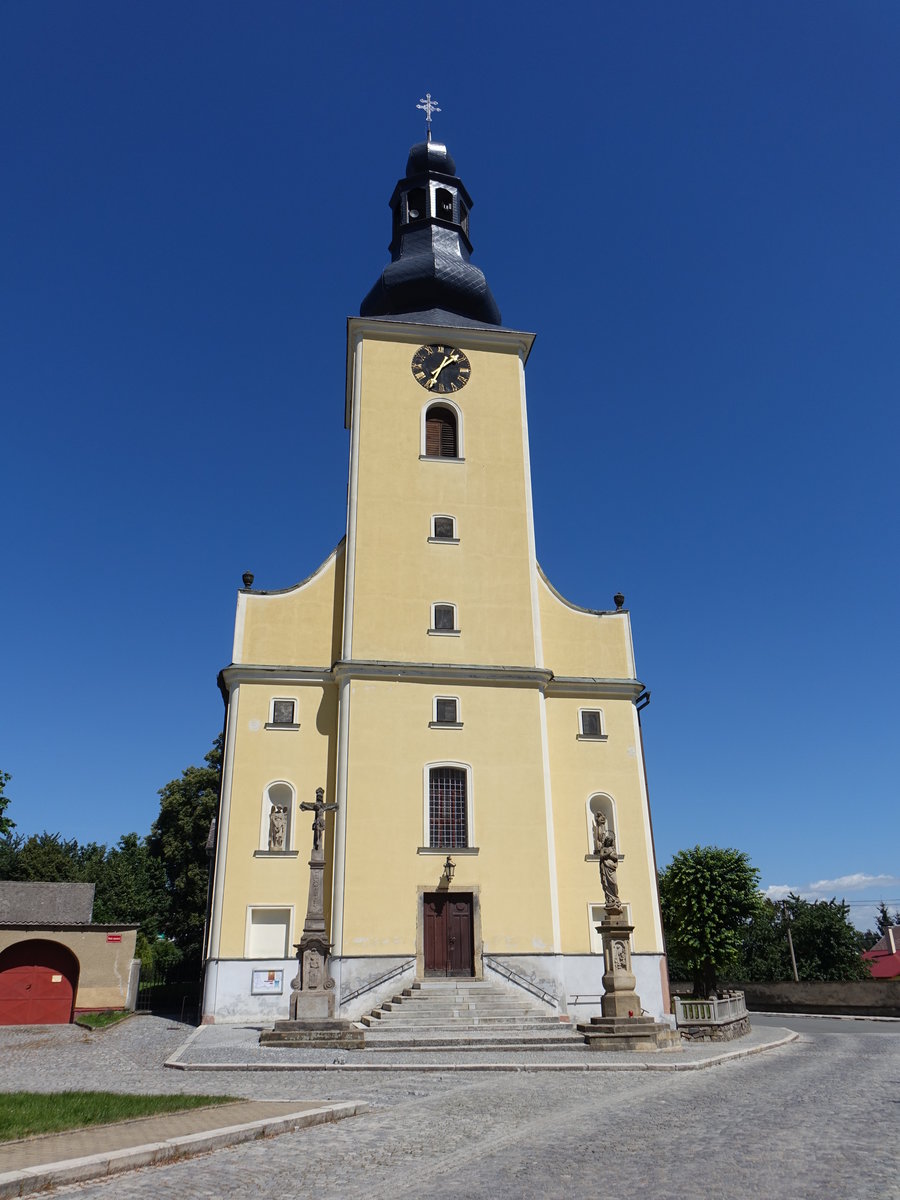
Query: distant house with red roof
(884, 957)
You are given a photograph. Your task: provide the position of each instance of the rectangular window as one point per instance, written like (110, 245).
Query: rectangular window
(590, 722)
(283, 712)
(444, 616)
(443, 528)
(446, 710)
(447, 808)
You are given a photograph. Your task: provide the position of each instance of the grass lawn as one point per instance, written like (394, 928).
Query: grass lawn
(23, 1114)
(100, 1020)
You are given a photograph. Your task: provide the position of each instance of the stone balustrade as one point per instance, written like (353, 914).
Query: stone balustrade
(710, 1012)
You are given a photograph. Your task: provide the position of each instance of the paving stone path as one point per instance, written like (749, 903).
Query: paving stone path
(817, 1118)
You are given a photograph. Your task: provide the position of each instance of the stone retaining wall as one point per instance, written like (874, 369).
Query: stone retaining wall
(864, 998)
(715, 1033)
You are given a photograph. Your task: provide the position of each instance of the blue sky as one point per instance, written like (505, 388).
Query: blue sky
(695, 208)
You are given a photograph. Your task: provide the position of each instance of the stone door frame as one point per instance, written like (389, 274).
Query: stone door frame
(469, 889)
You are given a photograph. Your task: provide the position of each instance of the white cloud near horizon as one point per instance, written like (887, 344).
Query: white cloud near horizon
(831, 887)
(853, 883)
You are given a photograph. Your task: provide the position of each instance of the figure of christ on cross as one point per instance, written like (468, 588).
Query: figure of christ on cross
(320, 808)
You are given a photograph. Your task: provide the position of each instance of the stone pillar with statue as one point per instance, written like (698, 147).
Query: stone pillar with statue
(623, 1025)
(312, 1021)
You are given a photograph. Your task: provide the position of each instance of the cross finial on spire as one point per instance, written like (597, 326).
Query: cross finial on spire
(428, 106)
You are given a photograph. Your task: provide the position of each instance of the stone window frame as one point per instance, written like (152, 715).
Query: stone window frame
(433, 629)
(434, 723)
(426, 807)
(594, 939)
(443, 541)
(272, 723)
(581, 736)
(441, 402)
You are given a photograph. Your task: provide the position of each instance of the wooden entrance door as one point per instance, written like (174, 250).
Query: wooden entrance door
(37, 983)
(449, 946)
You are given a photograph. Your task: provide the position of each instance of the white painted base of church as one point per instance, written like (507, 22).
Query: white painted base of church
(575, 981)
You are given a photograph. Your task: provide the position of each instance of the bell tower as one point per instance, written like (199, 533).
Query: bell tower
(471, 726)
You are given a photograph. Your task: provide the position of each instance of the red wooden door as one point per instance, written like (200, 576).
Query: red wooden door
(449, 948)
(37, 983)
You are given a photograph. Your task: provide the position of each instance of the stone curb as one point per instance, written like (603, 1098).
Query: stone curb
(440, 1068)
(99, 1166)
(759, 1012)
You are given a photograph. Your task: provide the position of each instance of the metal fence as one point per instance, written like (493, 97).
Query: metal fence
(169, 993)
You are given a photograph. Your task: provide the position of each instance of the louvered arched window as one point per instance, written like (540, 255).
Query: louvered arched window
(441, 439)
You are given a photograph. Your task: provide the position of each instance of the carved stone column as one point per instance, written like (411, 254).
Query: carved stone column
(619, 997)
(312, 1021)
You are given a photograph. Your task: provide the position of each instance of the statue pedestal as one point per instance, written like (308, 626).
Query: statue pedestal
(622, 1027)
(619, 997)
(312, 1022)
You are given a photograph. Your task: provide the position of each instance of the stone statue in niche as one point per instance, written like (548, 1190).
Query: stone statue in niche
(600, 830)
(278, 827)
(620, 958)
(609, 865)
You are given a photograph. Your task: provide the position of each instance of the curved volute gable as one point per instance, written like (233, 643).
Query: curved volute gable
(578, 641)
(300, 625)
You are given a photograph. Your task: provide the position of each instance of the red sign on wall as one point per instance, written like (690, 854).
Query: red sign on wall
(114, 937)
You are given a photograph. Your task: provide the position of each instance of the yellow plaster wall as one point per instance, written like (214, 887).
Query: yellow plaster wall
(582, 643)
(305, 758)
(390, 746)
(579, 770)
(398, 573)
(300, 626)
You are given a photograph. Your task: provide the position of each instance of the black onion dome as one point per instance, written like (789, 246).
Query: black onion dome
(430, 272)
(429, 156)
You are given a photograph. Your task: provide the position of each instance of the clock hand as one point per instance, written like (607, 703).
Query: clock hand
(436, 372)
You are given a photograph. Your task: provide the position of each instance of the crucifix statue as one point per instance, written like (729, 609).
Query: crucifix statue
(320, 808)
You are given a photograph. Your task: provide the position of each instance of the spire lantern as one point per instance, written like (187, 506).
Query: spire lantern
(430, 272)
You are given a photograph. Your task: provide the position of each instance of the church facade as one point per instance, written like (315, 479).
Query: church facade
(476, 733)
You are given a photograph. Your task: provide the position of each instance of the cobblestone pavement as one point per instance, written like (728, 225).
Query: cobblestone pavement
(816, 1118)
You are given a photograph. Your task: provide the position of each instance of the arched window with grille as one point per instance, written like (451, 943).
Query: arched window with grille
(441, 432)
(448, 807)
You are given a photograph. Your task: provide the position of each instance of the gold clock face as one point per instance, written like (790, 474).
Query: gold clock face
(441, 369)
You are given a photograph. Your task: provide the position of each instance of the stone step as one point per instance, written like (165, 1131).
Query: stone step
(420, 1011)
(448, 1002)
(390, 1041)
(479, 1023)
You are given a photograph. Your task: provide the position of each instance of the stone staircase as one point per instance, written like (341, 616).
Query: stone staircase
(466, 1014)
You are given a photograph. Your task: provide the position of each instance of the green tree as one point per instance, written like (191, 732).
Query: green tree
(10, 845)
(707, 896)
(885, 919)
(178, 841)
(6, 824)
(826, 944)
(50, 858)
(131, 888)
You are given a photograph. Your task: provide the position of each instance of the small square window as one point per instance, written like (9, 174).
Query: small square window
(443, 528)
(446, 710)
(590, 722)
(283, 712)
(443, 616)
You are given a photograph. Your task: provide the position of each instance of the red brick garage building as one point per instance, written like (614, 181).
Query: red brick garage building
(53, 962)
